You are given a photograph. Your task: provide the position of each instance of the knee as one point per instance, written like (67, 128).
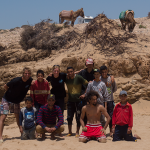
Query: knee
(3, 117)
(39, 129)
(82, 140)
(102, 140)
(62, 128)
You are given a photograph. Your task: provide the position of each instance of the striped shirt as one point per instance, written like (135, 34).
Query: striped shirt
(47, 116)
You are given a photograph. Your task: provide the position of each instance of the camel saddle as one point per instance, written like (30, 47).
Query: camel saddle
(123, 14)
(66, 13)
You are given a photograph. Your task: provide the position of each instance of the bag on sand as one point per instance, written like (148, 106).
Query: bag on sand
(66, 13)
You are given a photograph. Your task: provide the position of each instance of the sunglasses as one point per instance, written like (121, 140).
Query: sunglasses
(56, 65)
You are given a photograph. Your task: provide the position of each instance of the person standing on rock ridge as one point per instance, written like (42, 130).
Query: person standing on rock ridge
(111, 88)
(74, 84)
(16, 90)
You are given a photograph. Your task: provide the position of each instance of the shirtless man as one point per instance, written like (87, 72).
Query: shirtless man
(93, 127)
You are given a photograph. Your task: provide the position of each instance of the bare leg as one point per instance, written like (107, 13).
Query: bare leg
(82, 140)
(17, 119)
(77, 132)
(136, 136)
(2, 119)
(102, 140)
(52, 136)
(111, 134)
(70, 129)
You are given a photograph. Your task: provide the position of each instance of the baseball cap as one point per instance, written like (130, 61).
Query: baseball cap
(123, 93)
(96, 70)
(89, 61)
(51, 96)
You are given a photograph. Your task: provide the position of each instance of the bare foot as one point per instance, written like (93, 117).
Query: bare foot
(136, 136)
(111, 134)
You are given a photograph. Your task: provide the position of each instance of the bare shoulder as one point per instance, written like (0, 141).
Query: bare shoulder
(100, 107)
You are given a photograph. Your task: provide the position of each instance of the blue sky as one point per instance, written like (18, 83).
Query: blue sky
(15, 13)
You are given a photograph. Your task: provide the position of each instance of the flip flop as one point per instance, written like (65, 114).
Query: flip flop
(76, 136)
(68, 135)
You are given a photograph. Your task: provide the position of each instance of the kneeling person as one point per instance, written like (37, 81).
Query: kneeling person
(122, 120)
(93, 127)
(47, 116)
(27, 119)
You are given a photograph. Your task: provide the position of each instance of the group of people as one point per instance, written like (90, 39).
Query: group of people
(90, 98)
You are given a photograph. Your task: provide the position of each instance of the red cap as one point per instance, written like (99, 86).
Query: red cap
(89, 61)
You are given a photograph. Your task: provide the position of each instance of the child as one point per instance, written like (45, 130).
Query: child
(27, 119)
(123, 119)
(111, 87)
(39, 91)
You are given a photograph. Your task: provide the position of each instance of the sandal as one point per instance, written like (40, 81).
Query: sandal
(68, 135)
(76, 136)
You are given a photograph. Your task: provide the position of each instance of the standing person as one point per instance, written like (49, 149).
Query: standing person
(74, 84)
(93, 127)
(39, 90)
(47, 117)
(57, 80)
(100, 87)
(122, 120)
(27, 119)
(16, 90)
(111, 88)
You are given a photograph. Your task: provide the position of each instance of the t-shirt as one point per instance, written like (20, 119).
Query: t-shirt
(58, 88)
(111, 87)
(88, 76)
(17, 90)
(74, 87)
(27, 117)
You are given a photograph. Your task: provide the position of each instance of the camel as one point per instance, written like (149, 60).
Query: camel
(70, 15)
(128, 20)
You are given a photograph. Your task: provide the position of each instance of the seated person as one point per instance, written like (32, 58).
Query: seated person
(46, 118)
(27, 119)
(122, 120)
(93, 127)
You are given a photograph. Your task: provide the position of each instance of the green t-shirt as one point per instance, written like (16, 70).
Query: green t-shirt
(75, 87)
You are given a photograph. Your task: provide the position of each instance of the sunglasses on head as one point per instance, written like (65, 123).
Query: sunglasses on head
(56, 65)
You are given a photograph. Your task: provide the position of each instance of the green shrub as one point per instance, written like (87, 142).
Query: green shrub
(141, 26)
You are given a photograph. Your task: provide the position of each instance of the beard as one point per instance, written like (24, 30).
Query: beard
(95, 104)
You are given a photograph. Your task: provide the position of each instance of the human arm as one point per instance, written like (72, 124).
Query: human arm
(82, 116)
(78, 72)
(103, 110)
(130, 124)
(10, 84)
(105, 95)
(32, 93)
(6, 87)
(114, 85)
(60, 117)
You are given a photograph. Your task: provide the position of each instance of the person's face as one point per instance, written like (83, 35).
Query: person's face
(97, 75)
(28, 104)
(104, 73)
(56, 72)
(89, 66)
(70, 73)
(40, 77)
(123, 98)
(26, 75)
(93, 100)
(51, 102)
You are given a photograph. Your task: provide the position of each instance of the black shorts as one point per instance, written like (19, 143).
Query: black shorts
(121, 134)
